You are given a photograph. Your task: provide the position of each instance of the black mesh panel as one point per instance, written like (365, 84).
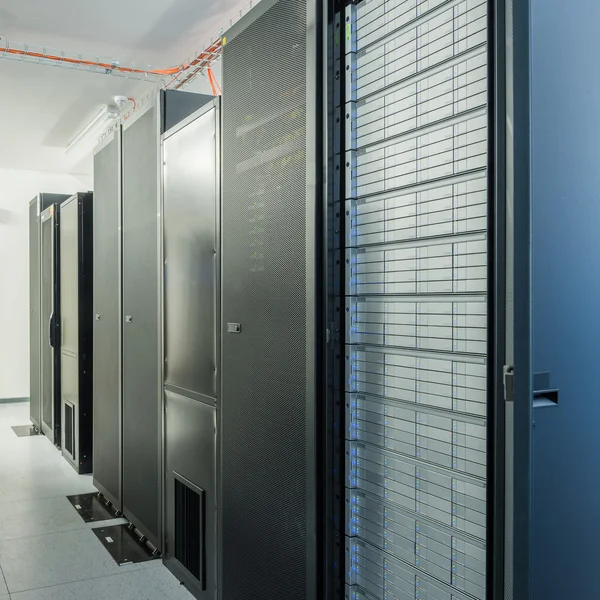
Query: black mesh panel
(264, 465)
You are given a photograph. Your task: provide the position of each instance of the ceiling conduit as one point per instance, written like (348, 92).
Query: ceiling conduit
(172, 77)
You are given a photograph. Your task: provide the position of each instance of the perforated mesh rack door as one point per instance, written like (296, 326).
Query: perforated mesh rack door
(264, 469)
(416, 299)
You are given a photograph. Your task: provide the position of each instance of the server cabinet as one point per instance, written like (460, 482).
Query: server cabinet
(268, 418)
(35, 336)
(128, 432)
(142, 398)
(419, 380)
(76, 330)
(191, 301)
(38, 332)
(107, 319)
(50, 322)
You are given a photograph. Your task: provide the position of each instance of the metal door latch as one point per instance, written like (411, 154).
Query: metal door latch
(234, 328)
(509, 383)
(97, 317)
(128, 319)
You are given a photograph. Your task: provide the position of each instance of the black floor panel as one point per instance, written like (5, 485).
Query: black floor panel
(92, 509)
(124, 545)
(24, 430)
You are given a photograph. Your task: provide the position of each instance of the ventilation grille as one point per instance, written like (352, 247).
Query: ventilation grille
(69, 429)
(189, 529)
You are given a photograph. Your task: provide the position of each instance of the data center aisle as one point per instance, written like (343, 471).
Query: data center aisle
(47, 552)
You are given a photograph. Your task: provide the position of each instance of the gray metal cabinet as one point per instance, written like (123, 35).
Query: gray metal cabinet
(128, 422)
(142, 399)
(39, 329)
(49, 315)
(76, 330)
(34, 314)
(268, 408)
(191, 338)
(107, 319)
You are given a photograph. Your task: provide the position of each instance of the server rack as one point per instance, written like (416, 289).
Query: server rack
(271, 248)
(76, 330)
(35, 337)
(50, 321)
(191, 328)
(38, 331)
(417, 258)
(142, 407)
(129, 433)
(107, 421)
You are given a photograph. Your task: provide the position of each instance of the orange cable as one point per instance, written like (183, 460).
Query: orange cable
(212, 84)
(90, 63)
(202, 61)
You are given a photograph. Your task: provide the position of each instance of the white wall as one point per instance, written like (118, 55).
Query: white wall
(17, 188)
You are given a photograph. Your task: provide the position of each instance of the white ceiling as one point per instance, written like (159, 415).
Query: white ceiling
(42, 108)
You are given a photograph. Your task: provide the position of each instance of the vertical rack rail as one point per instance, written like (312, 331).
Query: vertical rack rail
(416, 284)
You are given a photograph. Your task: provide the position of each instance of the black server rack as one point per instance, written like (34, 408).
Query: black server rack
(361, 422)
(76, 330)
(269, 417)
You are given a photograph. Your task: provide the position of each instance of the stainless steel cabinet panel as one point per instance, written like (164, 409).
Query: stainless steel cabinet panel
(76, 325)
(48, 297)
(35, 332)
(69, 279)
(142, 397)
(107, 320)
(191, 458)
(191, 219)
(69, 328)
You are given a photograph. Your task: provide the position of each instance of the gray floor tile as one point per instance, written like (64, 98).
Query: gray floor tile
(39, 517)
(136, 585)
(31, 481)
(3, 588)
(47, 552)
(44, 560)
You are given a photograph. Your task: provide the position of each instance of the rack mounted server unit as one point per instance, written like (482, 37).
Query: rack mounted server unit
(44, 378)
(76, 330)
(128, 391)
